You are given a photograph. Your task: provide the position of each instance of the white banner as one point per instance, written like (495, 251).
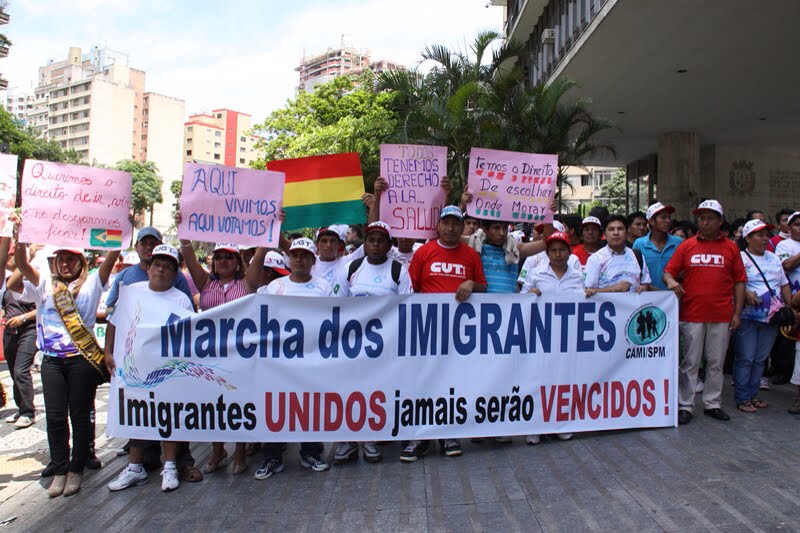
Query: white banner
(272, 368)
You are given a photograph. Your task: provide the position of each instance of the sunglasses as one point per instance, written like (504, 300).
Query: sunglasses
(224, 257)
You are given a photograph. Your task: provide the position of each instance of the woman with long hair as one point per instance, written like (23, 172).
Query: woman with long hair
(66, 305)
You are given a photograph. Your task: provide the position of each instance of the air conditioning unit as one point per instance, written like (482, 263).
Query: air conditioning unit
(548, 36)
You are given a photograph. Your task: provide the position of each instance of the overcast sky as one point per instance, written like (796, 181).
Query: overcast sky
(215, 55)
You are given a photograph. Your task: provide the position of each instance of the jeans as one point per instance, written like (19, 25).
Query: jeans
(19, 347)
(752, 343)
(69, 386)
(274, 450)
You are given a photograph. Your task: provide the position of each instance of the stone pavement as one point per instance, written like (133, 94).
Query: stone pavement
(743, 475)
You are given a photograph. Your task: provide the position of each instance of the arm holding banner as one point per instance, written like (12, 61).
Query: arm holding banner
(108, 352)
(252, 277)
(198, 273)
(108, 265)
(24, 269)
(5, 244)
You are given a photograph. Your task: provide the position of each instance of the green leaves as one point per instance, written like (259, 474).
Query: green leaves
(146, 184)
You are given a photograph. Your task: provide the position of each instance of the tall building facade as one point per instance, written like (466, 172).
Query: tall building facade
(19, 103)
(324, 67)
(219, 137)
(95, 103)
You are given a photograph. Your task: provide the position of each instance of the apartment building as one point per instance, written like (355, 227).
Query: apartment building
(220, 137)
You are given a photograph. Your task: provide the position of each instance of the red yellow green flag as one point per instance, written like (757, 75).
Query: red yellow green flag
(322, 190)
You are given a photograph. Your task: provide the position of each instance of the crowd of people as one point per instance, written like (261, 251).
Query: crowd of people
(738, 286)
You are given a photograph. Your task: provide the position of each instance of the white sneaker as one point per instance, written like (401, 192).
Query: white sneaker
(563, 436)
(23, 422)
(699, 387)
(533, 439)
(763, 384)
(169, 479)
(345, 452)
(371, 452)
(11, 419)
(128, 478)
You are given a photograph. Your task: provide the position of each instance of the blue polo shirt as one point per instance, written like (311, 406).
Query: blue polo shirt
(656, 259)
(500, 276)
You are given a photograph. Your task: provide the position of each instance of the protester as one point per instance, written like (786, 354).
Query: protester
(712, 272)
(782, 220)
(225, 283)
(162, 270)
(300, 282)
(795, 379)
(273, 267)
(445, 265)
(788, 251)
(330, 264)
(247, 253)
(66, 307)
(374, 275)
(19, 346)
(658, 245)
(555, 275)
(591, 229)
(615, 267)
(753, 340)
(637, 227)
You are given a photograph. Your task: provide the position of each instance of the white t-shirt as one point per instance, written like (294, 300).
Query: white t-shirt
(543, 278)
(404, 258)
(771, 266)
(787, 249)
(285, 287)
(51, 334)
(335, 273)
(173, 295)
(376, 280)
(606, 267)
(533, 261)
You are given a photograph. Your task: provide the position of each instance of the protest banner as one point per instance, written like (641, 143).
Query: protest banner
(511, 186)
(272, 368)
(231, 204)
(412, 204)
(322, 190)
(75, 206)
(8, 192)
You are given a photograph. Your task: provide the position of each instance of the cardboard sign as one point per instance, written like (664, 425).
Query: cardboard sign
(230, 204)
(75, 206)
(8, 192)
(511, 186)
(412, 204)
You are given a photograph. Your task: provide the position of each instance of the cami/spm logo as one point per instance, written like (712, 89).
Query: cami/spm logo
(646, 325)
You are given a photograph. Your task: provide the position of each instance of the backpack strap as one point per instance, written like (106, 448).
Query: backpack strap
(640, 260)
(397, 269)
(354, 265)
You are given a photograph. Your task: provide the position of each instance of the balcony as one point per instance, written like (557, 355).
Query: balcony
(3, 50)
(4, 17)
(3, 84)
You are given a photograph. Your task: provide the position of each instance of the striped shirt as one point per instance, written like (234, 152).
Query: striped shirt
(215, 293)
(501, 277)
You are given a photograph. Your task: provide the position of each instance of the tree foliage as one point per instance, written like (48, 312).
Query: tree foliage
(344, 115)
(612, 194)
(145, 185)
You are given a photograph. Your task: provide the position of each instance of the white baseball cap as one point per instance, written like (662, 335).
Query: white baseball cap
(709, 205)
(592, 220)
(338, 230)
(793, 216)
(558, 226)
(227, 247)
(274, 260)
(303, 244)
(656, 208)
(165, 250)
(755, 225)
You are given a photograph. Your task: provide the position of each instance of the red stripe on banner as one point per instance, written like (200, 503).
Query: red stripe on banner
(318, 167)
(114, 232)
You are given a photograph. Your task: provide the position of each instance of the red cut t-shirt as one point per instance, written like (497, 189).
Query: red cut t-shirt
(435, 268)
(710, 268)
(580, 252)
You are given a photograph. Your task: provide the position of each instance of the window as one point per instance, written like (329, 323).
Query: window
(243, 139)
(216, 156)
(217, 134)
(219, 115)
(188, 140)
(242, 149)
(602, 176)
(586, 180)
(241, 160)
(189, 129)
(188, 152)
(217, 145)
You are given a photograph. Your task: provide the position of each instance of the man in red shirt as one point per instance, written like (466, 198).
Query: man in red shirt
(445, 265)
(712, 296)
(591, 232)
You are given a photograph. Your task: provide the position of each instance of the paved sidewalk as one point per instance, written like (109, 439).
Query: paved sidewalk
(743, 475)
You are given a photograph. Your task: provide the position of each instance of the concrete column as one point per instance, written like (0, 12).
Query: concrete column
(679, 178)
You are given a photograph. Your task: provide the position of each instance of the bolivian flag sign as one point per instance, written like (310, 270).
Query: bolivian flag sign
(105, 238)
(322, 190)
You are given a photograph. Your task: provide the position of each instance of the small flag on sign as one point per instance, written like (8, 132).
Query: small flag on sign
(106, 238)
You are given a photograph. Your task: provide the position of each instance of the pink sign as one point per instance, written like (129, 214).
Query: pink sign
(511, 186)
(230, 204)
(412, 204)
(75, 206)
(8, 192)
